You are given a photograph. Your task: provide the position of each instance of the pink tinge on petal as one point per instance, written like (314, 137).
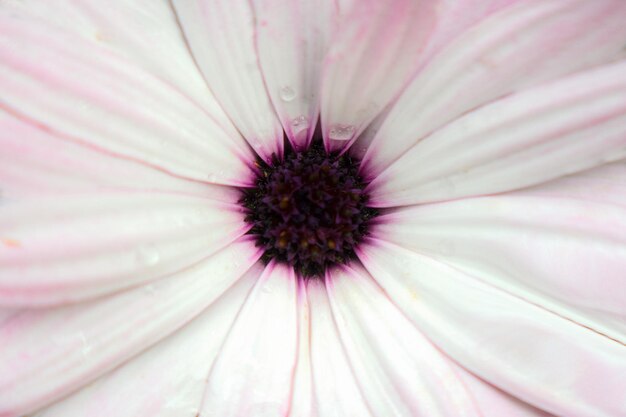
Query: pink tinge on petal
(253, 372)
(292, 40)
(220, 34)
(88, 94)
(374, 50)
(546, 132)
(46, 354)
(529, 352)
(515, 48)
(397, 369)
(168, 379)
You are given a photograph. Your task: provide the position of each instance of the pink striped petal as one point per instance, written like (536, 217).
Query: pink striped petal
(399, 372)
(47, 354)
(145, 32)
(252, 375)
(167, 380)
(335, 388)
(88, 94)
(532, 353)
(535, 136)
(221, 36)
(57, 250)
(292, 39)
(374, 50)
(515, 48)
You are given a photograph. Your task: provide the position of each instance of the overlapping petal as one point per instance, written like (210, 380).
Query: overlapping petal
(221, 36)
(519, 46)
(373, 53)
(526, 350)
(167, 380)
(88, 94)
(525, 139)
(252, 374)
(46, 354)
(292, 39)
(399, 372)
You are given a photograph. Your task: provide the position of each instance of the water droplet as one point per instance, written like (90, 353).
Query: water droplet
(299, 124)
(341, 132)
(147, 255)
(287, 93)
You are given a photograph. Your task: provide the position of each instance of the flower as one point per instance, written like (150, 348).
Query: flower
(492, 139)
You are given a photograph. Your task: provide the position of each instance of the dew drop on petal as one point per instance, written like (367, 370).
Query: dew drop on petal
(287, 93)
(299, 124)
(341, 132)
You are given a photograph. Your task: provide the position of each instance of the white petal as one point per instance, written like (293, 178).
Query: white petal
(145, 32)
(374, 51)
(47, 354)
(399, 372)
(221, 37)
(88, 94)
(292, 39)
(535, 136)
(168, 380)
(543, 359)
(252, 375)
(57, 250)
(35, 163)
(513, 49)
(336, 391)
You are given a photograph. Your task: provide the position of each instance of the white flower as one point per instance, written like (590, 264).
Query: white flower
(493, 138)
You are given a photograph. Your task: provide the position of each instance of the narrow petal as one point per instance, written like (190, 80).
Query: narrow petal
(566, 254)
(302, 393)
(373, 53)
(145, 32)
(519, 46)
(57, 250)
(168, 380)
(532, 137)
(336, 390)
(221, 36)
(292, 40)
(47, 354)
(88, 94)
(550, 362)
(34, 163)
(252, 375)
(398, 370)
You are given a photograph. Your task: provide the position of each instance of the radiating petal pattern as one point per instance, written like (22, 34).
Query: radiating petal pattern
(252, 374)
(46, 354)
(564, 251)
(519, 46)
(292, 40)
(374, 51)
(167, 380)
(399, 372)
(221, 36)
(524, 349)
(88, 94)
(528, 138)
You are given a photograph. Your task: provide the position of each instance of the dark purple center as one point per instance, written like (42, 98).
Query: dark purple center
(308, 210)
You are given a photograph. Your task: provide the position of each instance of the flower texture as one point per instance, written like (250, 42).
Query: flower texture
(465, 216)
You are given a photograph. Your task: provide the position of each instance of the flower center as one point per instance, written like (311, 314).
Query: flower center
(308, 210)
